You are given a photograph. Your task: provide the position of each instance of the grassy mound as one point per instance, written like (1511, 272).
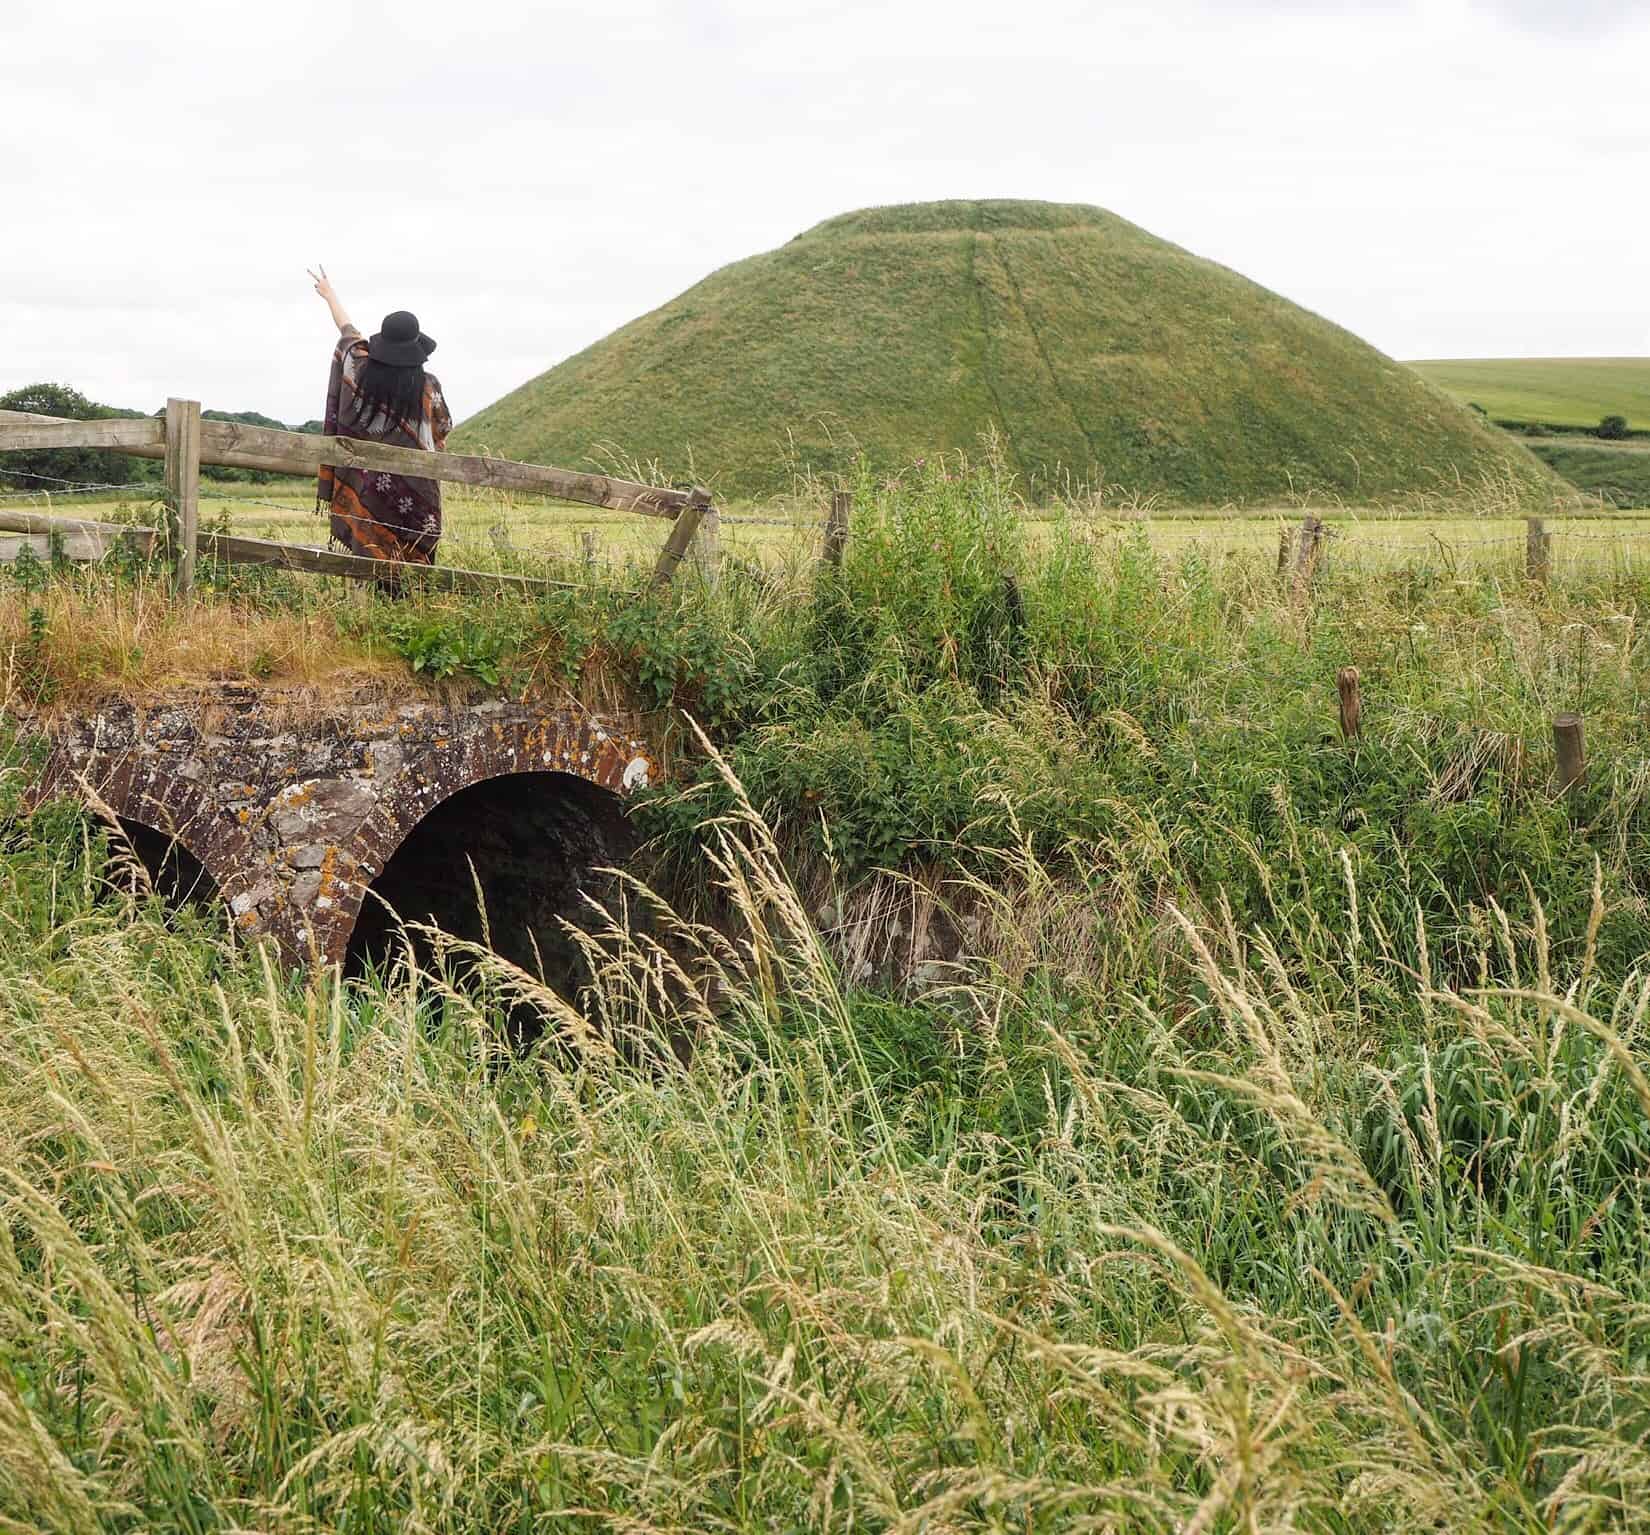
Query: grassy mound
(1095, 350)
(1549, 391)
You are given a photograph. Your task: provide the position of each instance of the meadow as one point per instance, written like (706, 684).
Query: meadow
(1618, 473)
(1116, 1101)
(492, 530)
(1554, 391)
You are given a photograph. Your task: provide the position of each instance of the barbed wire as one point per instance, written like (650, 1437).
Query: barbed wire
(50, 496)
(796, 524)
(57, 479)
(1352, 540)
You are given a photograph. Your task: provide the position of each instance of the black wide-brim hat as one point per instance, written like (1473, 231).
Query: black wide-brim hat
(400, 342)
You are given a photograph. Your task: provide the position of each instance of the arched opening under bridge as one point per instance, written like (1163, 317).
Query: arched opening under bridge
(177, 875)
(526, 850)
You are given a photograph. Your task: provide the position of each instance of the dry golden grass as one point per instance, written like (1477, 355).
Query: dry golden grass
(76, 641)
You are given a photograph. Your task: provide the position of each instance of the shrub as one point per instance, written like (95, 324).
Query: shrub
(1613, 428)
(50, 468)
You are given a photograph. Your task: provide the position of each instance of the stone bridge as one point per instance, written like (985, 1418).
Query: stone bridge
(293, 811)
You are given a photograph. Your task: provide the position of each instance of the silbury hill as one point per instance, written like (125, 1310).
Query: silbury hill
(1098, 353)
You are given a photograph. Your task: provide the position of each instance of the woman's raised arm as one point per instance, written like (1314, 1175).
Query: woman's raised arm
(323, 286)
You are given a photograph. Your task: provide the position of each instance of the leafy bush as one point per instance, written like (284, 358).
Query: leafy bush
(1612, 428)
(58, 468)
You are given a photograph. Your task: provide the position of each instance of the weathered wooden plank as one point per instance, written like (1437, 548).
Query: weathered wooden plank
(687, 524)
(235, 550)
(836, 526)
(183, 490)
(143, 437)
(1306, 558)
(705, 553)
(55, 522)
(1538, 550)
(74, 546)
(236, 445)
(1569, 748)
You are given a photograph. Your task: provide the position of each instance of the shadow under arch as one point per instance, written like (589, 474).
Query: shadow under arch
(191, 855)
(530, 845)
(178, 877)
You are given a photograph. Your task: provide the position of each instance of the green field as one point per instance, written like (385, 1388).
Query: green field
(1555, 391)
(1098, 354)
(1617, 473)
(488, 530)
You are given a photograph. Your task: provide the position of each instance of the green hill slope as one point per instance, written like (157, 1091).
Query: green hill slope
(1555, 391)
(1094, 348)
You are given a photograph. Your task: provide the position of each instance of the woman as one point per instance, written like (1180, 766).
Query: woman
(380, 391)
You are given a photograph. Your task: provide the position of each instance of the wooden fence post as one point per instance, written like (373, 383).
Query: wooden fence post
(836, 526)
(1571, 752)
(587, 551)
(1283, 552)
(681, 535)
(183, 490)
(1538, 549)
(707, 546)
(1306, 559)
(1352, 706)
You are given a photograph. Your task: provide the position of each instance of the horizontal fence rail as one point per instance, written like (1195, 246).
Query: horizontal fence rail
(87, 540)
(185, 441)
(234, 445)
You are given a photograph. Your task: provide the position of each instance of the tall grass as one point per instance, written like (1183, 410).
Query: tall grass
(1267, 1149)
(1358, 1254)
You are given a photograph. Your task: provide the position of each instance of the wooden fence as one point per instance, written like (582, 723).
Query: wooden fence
(185, 441)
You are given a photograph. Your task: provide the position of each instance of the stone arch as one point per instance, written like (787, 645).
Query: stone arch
(174, 807)
(486, 744)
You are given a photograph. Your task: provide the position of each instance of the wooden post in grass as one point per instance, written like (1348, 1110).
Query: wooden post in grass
(681, 535)
(1352, 705)
(1571, 752)
(1283, 552)
(183, 490)
(707, 546)
(1538, 549)
(1306, 557)
(587, 551)
(836, 526)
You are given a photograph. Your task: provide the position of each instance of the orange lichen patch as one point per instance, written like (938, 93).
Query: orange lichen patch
(329, 878)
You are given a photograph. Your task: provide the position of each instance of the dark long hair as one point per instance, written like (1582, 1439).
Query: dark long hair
(398, 390)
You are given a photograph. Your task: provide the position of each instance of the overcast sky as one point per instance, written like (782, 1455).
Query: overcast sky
(1446, 178)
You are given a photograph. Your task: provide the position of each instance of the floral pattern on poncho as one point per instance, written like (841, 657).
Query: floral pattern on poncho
(384, 516)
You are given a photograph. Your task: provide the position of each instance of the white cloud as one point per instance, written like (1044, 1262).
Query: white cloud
(1438, 177)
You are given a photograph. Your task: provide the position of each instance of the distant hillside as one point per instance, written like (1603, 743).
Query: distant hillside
(1548, 391)
(1095, 349)
(1618, 474)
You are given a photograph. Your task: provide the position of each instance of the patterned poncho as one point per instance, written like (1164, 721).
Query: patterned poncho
(385, 516)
